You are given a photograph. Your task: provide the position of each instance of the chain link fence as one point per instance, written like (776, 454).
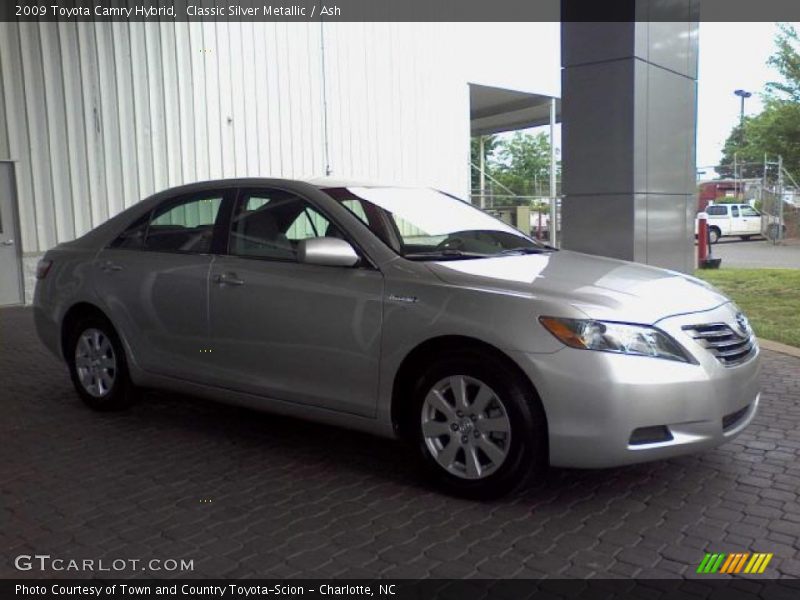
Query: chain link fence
(529, 214)
(770, 189)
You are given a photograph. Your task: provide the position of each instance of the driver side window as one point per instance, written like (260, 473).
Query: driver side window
(269, 224)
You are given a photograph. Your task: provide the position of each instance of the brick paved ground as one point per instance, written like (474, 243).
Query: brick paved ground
(289, 498)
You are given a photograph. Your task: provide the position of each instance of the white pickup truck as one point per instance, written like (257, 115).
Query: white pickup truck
(731, 220)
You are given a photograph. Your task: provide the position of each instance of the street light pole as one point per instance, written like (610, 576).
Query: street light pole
(742, 96)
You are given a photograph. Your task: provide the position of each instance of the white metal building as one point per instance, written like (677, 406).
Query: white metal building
(96, 116)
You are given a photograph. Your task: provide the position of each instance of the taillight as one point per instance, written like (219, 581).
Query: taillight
(43, 268)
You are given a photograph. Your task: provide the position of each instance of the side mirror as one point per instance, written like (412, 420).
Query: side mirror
(328, 251)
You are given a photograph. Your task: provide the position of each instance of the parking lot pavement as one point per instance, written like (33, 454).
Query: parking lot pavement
(757, 253)
(248, 494)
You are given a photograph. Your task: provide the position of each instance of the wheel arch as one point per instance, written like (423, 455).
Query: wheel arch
(425, 352)
(74, 313)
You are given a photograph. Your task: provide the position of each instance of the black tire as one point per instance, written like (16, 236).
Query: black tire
(526, 454)
(121, 393)
(713, 235)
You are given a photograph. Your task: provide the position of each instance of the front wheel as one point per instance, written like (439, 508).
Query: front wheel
(478, 427)
(713, 235)
(97, 365)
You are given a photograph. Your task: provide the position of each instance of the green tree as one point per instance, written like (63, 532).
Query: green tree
(776, 130)
(522, 163)
(786, 60)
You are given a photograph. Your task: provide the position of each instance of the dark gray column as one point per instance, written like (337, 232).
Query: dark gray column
(629, 114)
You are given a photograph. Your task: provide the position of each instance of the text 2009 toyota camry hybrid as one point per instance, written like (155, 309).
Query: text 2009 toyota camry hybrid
(402, 312)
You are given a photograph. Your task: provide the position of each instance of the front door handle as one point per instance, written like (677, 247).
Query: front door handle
(109, 266)
(228, 279)
(7, 242)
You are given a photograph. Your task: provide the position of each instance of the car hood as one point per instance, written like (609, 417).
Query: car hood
(601, 288)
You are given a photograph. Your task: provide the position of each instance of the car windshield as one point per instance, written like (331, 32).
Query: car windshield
(424, 224)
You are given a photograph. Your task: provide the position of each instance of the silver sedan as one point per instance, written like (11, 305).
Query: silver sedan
(402, 312)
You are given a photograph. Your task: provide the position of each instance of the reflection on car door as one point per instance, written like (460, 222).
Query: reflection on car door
(290, 331)
(154, 281)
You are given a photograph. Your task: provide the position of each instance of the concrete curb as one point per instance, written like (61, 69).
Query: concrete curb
(778, 347)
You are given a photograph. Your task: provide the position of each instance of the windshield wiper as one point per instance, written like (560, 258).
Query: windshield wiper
(446, 254)
(528, 250)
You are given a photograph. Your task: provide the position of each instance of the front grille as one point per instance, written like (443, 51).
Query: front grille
(727, 345)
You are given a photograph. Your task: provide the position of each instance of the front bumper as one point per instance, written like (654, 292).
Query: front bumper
(595, 401)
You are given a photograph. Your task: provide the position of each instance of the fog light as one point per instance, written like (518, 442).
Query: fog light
(650, 435)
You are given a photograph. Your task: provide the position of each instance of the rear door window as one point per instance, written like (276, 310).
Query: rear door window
(184, 225)
(717, 211)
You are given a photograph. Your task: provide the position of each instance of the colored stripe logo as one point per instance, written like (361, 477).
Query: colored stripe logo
(736, 562)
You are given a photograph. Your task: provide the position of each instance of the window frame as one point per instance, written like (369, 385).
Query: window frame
(168, 204)
(723, 213)
(242, 193)
(749, 208)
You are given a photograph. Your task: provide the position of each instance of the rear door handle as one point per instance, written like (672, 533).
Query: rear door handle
(228, 279)
(7, 242)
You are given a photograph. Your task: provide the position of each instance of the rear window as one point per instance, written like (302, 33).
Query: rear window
(717, 211)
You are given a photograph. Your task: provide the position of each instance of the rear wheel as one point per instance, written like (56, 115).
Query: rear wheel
(97, 365)
(478, 427)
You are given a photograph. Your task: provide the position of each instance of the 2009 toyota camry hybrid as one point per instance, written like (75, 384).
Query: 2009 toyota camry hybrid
(402, 312)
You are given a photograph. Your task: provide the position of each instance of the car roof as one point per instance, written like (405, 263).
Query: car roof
(318, 182)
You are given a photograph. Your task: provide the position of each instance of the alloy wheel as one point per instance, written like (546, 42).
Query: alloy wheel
(95, 362)
(465, 427)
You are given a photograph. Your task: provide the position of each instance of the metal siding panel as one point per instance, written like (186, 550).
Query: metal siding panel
(185, 84)
(315, 123)
(155, 81)
(250, 98)
(274, 130)
(306, 117)
(240, 87)
(261, 98)
(75, 127)
(39, 148)
(395, 148)
(341, 134)
(212, 94)
(284, 99)
(172, 121)
(58, 153)
(198, 93)
(225, 91)
(140, 95)
(371, 50)
(110, 115)
(14, 96)
(87, 50)
(126, 114)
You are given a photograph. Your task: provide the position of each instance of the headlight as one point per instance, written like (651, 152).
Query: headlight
(622, 338)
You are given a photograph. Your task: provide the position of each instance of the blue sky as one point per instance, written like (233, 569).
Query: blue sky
(732, 56)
